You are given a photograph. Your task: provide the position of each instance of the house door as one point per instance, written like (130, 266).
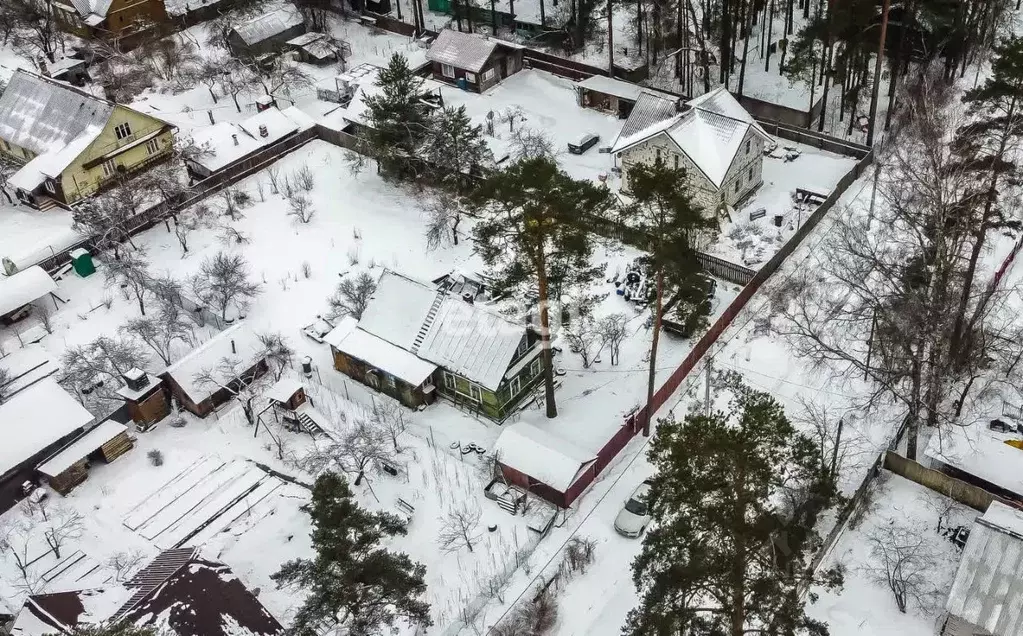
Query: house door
(504, 67)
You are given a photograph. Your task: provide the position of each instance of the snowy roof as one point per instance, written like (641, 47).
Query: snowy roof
(467, 51)
(306, 38)
(181, 7)
(96, 8)
(341, 331)
(442, 328)
(44, 116)
(268, 25)
(238, 345)
(24, 287)
(228, 142)
(81, 447)
(540, 455)
(710, 132)
(383, 355)
(35, 418)
(611, 86)
(988, 588)
(129, 394)
(981, 452)
(52, 164)
(178, 593)
(27, 365)
(283, 389)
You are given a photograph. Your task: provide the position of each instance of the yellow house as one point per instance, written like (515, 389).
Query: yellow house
(73, 144)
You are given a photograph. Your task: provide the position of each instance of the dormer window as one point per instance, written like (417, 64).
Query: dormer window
(122, 130)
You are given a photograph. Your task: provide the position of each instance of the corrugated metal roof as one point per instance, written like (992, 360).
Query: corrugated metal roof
(649, 111)
(462, 50)
(268, 25)
(95, 7)
(44, 116)
(988, 588)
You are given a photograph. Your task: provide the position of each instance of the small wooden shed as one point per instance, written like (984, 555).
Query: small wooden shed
(287, 394)
(69, 466)
(146, 398)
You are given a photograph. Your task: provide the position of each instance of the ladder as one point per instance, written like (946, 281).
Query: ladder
(427, 323)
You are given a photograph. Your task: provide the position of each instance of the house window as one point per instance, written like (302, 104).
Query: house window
(516, 386)
(475, 393)
(109, 168)
(523, 344)
(658, 154)
(738, 184)
(152, 146)
(389, 380)
(749, 175)
(534, 368)
(122, 130)
(447, 70)
(676, 162)
(748, 146)
(49, 186)
(470, 77)
(449, 381)
(488, 75)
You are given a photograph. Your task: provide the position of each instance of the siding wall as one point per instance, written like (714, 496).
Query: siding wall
(705, 193)
(955, 626)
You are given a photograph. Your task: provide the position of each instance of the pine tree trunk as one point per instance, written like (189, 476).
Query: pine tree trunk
(610, 41)
(726, 38)
(770, 34)
(493, 16)
(545, 337)
(745, 54)
(825, 75)
(543, 14)
(875, 90)
(652, 374)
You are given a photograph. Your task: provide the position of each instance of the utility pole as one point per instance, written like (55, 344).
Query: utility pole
(877, 73)
(706, 387)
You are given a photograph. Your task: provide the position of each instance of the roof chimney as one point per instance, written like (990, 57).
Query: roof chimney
(233, 348)
(263, 131)
(235, 138)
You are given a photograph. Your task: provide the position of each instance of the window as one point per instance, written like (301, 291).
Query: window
(109, 168)
(389, 380)
(738, 184)
(658, 154)
(449, 381)
(516, 386)
(488, 75)
(523, 344)
(152, 146)
(470, 77)
(534, 368)
(749, 175)
(122, 130)
(749, 144)
(447, 70)
(475, 393)
(49, 186)
(676, 162)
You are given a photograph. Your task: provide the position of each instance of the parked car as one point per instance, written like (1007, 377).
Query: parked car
(634, 516)
(583, 144)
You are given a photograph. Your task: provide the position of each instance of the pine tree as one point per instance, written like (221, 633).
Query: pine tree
(987, 147)
(352, 581)
(722, 557)
(535, 224)
(455, 148)
(664, 211)
(399, 119)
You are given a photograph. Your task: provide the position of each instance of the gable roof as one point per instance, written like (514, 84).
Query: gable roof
(268, 25)
(238, 345)
(44, 116)
(97, 9)
(538, 454)
(988, 590)
(467, 51)
(710, 132)
(441, 328)
(177, 593)
(35, 418)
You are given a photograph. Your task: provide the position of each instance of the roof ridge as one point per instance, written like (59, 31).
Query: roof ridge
(67, 87)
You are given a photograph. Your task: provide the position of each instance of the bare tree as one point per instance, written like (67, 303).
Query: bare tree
(443, 212)
(352, 296)
(240, 79)
(274, 174)
(353, 447)
(172, 58)
(388, 415)
(278, 352)
(230, 375)
(33, 27)
(223, 281)
(528, 143)
(162, 331)
(188, 221)
(17, 536)
(584, 338)
(303, 179)
(905, 561)
(61, 525)
(209, 72)
(613, 329)
(131, 273)
(96, 369)
(300, 207)
(230, 235)
(459, 526)
(107, 218)
(125, 564)
(280, 76)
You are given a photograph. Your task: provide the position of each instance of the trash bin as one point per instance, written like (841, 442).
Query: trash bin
(82, 263)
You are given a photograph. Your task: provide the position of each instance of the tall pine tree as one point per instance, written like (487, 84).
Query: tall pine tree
(663, 211)
(721, 557)
(535, 222)
(352, 581)
(399, 119)
(455, 149)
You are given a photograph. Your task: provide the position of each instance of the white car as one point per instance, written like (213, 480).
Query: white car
(634, 517)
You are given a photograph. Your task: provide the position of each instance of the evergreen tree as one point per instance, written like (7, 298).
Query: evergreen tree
(534, 223)
(455, 148)
(352, 581)
(722, 557)
(399, 119)
(673, 223)
(987, 147)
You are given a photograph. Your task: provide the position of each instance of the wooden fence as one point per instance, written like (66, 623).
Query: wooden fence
(957, 489)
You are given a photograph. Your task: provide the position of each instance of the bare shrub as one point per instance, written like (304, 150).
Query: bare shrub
(584, 338)
(459, 527)
(155, 457)
(303, 179)
(125, 564)
(613, 329)
(905, 562)
(579, 555)
(307, 270)
(300, 207)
